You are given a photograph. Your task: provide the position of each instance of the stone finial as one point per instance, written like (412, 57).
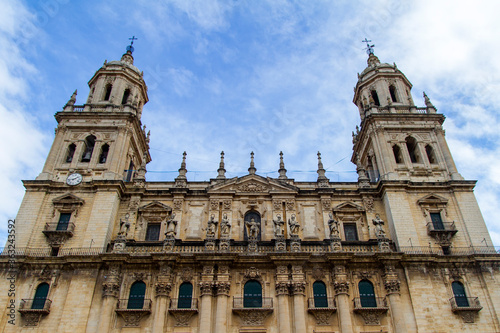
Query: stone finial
(282, 170)
(373, 60)
(181, 179)
(221, 170)
(71, 101)
(321, 170)
(430, 107)
(252, 169)
(148, 139)
(363, 180)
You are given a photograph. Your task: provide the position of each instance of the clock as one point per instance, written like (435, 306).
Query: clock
(74, 179)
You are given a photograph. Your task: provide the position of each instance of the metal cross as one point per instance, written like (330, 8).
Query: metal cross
(132, 40)
(369, 48)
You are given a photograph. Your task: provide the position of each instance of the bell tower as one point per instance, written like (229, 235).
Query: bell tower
(104, 138)
(398, 140)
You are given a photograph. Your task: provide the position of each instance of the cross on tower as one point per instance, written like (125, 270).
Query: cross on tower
(369, 48)
(132, 40)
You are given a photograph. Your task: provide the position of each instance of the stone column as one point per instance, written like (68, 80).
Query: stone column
(206, 306)
(341, 286)
(283, 313)
(392, 284)
(452, 169)
(221, 312)
(162, 289)
(299, 309)
(110, 293)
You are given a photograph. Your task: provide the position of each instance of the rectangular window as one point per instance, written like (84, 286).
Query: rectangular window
(63, 222)
(153, 232)
(350, 232)
(437, 222)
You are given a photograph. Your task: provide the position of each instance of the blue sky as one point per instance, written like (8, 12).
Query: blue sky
(249, 75)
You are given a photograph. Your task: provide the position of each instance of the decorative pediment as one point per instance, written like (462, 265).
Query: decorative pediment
(68, 199)
(432, 199)
(154, 207)
(155, 212)
(347, 207)
(252, 184)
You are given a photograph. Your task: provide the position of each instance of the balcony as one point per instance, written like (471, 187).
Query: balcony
(58, 233)
(183, 310)
(441, 228)
(253, 312)
(133, 310)
(370, 308)
(32, 310)
(466, 307)
(322, 309)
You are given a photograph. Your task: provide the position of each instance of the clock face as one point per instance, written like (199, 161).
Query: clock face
(74, 179)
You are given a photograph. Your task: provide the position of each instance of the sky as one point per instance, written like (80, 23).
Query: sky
(250, 75)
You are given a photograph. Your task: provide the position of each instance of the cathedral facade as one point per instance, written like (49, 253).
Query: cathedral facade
(100, 249)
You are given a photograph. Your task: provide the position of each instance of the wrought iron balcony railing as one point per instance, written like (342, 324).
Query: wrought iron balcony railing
(252, 302)
(465, 304)
(140, 305)
(321, 303)
(184, 304)
(35, 305)
(370, 303)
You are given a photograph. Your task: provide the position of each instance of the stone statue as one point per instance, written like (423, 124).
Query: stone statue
(212, 227)
(253, 228)
(279, 227)
(225, 226)
(294, 226)
(124, 226)
(378, 222)
(171, 226)
(333, 225)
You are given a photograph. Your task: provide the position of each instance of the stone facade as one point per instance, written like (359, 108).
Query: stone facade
(250, 254)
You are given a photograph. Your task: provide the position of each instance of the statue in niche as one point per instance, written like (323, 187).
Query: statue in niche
(124, 226)
(253, 228)
(225, 226)
(212, 227)
(171, 226)
(333, 225)
(279, 227)
(378, 222)
(294, 226)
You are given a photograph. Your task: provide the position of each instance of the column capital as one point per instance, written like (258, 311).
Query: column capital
(281, 288)
(298, 288)
(392, 286)
(223, 288)
(110, 289)
(341, 287)
(163, 289)
(205, 288)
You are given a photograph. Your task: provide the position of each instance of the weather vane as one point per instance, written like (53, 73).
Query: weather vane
(130, 47)
(369, 48)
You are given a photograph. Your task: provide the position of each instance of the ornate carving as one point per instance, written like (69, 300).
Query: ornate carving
(326, 204)
(281, 288)
(290, 204)
(295, 243)
(57, 239)
(31, 318)
(281, 269)
(341, 287)
(209, 245)
(392, 286)
(368, 203)
(132, 318)
(322, 316)
(163, 289)
(317, 273)
(182, 316)
(177, 204)
(223, 288)
(252, 273)
(138, 276)
(298, 288)
(226, 204)
(110, 289)
(214, 204)
(371, 317)
(276, 204)
(280, 244)
(468, 316)
(205, 288)
(187, 274)
(253, 316)
(168, 244)
(224, 245)
(252, 187)
(279, 227)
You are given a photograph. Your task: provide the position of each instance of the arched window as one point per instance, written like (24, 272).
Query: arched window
(411, 145)
(253, 225)
(397, 154)
(367, 294)
(185, 296)
(459, 293)
(104, 153)
(71, 152)
(252, 294)
(136, 296)
(107, 93)
(319, 292)
(430, 154)
(392, 91)
(40, 296)
(126, 94)
(89, 148)
(375, 97)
